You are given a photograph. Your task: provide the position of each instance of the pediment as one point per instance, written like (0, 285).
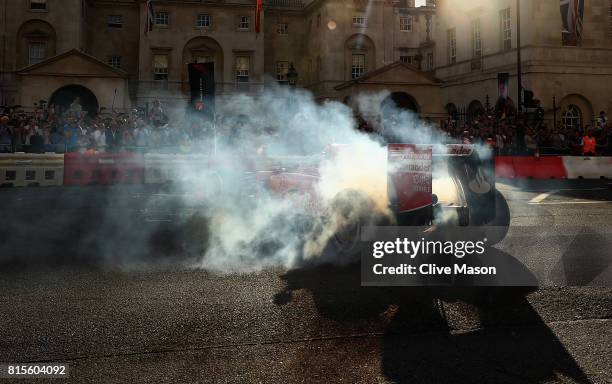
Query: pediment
(72, 63)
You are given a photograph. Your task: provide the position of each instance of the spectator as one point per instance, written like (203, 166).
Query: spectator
(558, 141)
(602, 120)
(75, 107)
(99, 136)
(576, 142)
(113, 138)
(6, 138)
(141, 135)
(158, 118)
(530, 142)
(588, 143)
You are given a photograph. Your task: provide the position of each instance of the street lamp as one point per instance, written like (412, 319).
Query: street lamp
(292, 76)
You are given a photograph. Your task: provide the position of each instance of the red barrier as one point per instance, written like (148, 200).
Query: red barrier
(103, 168)
(548, 167)
(504, 167)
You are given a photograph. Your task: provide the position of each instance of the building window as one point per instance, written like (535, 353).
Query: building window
(162, 18)
(572, 118)
(38, 5)
(282, 28)
(406, 59)
(160, 67)
(114, 61)
(476, 41)
(506, 29)
(451, 38)
(357, 66)
(406, 23)
(244, 22)
(242, 69)
(115, 21)
(36, 53)
(282, 68)
(359, 21)
(203, 21)
(430, 61)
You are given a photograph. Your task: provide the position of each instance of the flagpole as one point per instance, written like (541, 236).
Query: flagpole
(518, 57)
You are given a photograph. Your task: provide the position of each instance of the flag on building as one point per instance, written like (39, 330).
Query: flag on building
(258, 9)
(150, 16)
(572, 13)
(202, 87)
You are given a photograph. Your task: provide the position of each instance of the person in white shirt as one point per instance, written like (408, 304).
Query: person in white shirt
(99, 136)
(602, 120)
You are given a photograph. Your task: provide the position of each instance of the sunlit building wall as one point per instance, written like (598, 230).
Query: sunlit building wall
(476, 40)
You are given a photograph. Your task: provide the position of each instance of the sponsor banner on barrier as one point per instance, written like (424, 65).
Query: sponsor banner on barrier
(31, 169)
(103, 168)
(486, 256)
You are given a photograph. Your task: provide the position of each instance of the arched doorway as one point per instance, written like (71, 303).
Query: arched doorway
(504, 107)
(63, 97)
(399, 101)
(395, 104)
(451, 110)
(202, 49)
(475, 110)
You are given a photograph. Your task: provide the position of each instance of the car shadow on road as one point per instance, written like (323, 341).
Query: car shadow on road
(421, 343)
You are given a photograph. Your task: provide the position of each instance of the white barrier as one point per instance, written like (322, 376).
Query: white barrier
(31, 169)
(579, 167)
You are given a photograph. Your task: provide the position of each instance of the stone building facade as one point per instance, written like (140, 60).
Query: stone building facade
(329, 42)
(478, 40)
(435, 58)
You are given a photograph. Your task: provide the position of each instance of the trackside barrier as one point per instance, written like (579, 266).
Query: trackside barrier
(31, 169)
(504, 167)
(548, 167)
(50, 169)
(170, 168)
(103, 168)
(588, 167)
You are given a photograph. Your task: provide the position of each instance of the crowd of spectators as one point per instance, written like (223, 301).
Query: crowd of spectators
(73, 130)
(514, 137)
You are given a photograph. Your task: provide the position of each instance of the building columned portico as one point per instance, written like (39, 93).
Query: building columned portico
(60, 79)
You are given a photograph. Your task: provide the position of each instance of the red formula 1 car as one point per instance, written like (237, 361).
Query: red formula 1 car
(426, 184)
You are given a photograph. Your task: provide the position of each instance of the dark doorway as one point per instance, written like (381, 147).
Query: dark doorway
(393, 106)
(65, 96)
(475, 110)
(452, 111)
(401, 101)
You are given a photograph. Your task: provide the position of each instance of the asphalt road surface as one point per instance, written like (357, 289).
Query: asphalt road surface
(63, 299)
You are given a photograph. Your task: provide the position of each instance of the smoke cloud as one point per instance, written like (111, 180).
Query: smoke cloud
(281, 181)
(256, 222)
